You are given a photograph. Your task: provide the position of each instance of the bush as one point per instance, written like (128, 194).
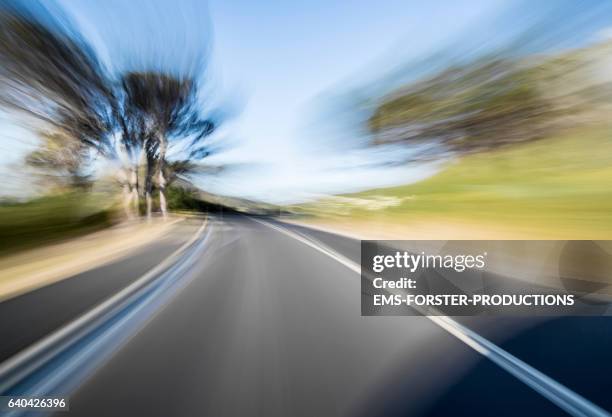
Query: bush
(182, 199)
(50, 218)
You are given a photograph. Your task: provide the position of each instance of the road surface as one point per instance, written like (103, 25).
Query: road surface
(264, 325)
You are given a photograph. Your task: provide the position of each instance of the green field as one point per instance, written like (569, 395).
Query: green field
(557, 187)
(51, 218)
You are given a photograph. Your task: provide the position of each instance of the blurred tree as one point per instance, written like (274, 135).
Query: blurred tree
(160, 109)
(49, 74)
(60, 159)
(488, 103)
(52, 76)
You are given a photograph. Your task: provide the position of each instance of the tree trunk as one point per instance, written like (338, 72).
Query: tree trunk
(162, 195)
(127, 199)
(122, 176)
(137, 186)
(162, 202)
(149, 204)
(160, 179)
(147, 184)
(134, 198)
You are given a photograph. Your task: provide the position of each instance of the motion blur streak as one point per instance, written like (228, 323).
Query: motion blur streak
(61, 362)
(413, 121)
(565, 398)
(111, 124)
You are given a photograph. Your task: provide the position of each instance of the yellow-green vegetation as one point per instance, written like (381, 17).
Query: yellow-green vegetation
(496, 101)
(518, 166)
(555, 187)
(477, 93)
(50, 218)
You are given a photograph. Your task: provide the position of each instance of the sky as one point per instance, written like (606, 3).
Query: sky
(281, 64)
(287, 67)
(288, 59)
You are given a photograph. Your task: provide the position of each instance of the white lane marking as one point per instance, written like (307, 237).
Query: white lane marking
(38, 347)
(557, 393)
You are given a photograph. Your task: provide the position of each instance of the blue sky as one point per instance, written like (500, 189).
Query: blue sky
(280, 60)
(284, 54)
(287, 58)
(288, 65)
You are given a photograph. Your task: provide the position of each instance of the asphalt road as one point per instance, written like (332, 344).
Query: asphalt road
(27, 318)
(268, 326)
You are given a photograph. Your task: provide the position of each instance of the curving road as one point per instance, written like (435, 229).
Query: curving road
(262, 324)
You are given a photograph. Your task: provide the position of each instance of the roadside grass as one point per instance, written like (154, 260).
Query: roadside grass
(48, 219)
(558, 187)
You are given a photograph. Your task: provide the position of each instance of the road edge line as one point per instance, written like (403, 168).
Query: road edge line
(39, 346)
(557, 393)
